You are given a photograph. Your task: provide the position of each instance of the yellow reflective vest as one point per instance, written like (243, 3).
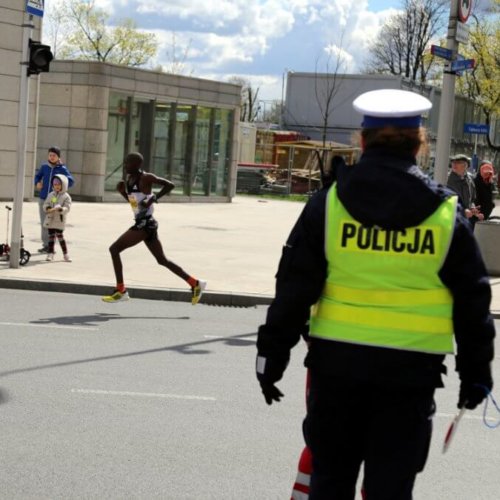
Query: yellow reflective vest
(383, 287)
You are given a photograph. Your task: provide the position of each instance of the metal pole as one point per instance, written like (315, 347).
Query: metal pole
(291, 158)
(447, 104)
(282, 110)
(24, 87)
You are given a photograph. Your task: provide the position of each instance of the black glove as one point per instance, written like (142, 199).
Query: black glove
(271, 393)
(269, 371)
(471, 394)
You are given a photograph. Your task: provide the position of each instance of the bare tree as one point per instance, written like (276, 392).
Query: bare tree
(249, 99)
(401, 47)
(177, 57)
(272, 112)
(54, 28)
(327, 83)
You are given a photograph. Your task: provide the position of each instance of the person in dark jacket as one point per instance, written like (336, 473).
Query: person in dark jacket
(43, 184)
(384, 268)
(462, 183)
(484, 189)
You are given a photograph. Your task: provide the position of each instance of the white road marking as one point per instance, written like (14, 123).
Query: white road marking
(452, 415)
(213, 337)
(60, 327)
(142, 394)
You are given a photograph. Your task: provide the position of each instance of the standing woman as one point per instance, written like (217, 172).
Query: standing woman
(484, 182)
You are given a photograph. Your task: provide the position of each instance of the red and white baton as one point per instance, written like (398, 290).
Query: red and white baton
(452, 429)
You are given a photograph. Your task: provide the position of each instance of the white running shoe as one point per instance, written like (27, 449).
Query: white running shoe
(50, 257)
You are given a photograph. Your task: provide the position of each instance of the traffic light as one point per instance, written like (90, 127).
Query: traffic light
(39, 58)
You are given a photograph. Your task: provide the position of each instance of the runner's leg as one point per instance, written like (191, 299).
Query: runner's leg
(156, 248)
(128, 239)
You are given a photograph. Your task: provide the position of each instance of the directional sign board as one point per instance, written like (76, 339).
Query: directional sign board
(443, 52)
(462, 64)
(476, 128)
(35, 7)
(461, 33)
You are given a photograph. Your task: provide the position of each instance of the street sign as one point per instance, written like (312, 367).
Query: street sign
(443, 52)
(476, 128)
(35, 7)
(462, 64)
(464, 10)
(460, 57)
(461, 32)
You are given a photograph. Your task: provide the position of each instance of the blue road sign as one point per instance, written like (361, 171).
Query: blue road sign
(443, 52)
(476, 128)
(462, 64)
(35, 7)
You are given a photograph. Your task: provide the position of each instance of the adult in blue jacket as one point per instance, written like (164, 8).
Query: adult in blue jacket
(43, 184)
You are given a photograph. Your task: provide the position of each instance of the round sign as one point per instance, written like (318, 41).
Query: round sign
(464, 10)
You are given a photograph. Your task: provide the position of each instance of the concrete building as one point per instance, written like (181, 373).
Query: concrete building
(186, 128)
(305, 109)
(12, 17)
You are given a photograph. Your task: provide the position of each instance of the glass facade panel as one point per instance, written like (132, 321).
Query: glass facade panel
(221, 151)
(201, 152)
(189, 145)
(181, 159)
(141, 129)
(117, 132)
(159, 160)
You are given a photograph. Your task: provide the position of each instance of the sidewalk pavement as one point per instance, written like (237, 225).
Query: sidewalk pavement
(235, 246)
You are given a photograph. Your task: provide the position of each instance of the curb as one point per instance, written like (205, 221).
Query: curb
(226, 299)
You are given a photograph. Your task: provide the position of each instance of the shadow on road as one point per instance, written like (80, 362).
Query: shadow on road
(188, 348)
(93, 319)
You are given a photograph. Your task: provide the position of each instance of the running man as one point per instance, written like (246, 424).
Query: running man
(137, 189)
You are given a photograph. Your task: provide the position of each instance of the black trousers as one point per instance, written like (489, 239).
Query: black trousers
(387, 429)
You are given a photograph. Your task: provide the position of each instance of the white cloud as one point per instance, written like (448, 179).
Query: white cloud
(254, 38)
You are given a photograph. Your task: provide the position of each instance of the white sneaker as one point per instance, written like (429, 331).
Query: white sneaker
(67, 258)
(50, 257)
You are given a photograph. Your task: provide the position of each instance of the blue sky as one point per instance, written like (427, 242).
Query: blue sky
(258, 40)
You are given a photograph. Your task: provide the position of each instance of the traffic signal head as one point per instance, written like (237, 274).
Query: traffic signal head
(39, 58)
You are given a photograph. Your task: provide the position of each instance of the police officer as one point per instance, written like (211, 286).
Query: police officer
(384, 267)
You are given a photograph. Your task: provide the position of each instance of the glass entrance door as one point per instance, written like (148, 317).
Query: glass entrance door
(181, 159)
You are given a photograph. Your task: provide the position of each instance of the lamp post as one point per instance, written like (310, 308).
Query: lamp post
(282, 109)
(459, 12)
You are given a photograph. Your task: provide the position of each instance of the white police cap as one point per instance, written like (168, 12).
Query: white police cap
(391, 107)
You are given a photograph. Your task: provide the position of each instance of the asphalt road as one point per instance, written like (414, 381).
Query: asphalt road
(151, 399)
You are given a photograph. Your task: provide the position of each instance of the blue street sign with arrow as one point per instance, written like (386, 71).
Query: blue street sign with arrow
(443, 52)
(462, 64)
(476, 128)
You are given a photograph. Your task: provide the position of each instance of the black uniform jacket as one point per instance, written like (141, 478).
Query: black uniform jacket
(484, 196)
(393, 193)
